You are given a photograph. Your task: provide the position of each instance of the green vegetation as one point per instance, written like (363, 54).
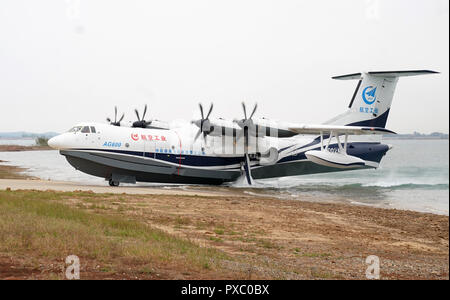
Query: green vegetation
(215, 239)
(41, 141)
(316, 255)
(35, 225)
(219, 231)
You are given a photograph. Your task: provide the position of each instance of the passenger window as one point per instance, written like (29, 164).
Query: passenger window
(92, 129)
(85, 129)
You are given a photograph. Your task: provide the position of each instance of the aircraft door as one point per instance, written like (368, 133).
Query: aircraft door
(149, 148)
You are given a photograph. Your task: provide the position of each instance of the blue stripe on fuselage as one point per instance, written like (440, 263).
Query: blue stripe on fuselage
(185, 160)
(366, 151)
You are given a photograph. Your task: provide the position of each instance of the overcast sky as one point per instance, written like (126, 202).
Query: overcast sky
(63, 62)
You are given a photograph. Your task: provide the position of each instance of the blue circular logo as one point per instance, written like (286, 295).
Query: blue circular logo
(368, 95)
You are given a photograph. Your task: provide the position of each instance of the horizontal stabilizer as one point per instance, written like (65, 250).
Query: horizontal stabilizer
(353, 130)
(357, 76)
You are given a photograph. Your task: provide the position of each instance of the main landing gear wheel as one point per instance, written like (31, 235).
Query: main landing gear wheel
(113, 183)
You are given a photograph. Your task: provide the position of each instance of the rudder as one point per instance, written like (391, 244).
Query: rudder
(372, 99)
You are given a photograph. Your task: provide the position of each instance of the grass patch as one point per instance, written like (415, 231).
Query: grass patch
(267, 244)
(319, 274)
(316, 254)
(219, 231)
(182, 220)
(215, 239)
(34, 224)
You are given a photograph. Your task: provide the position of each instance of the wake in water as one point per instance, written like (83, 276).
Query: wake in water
(414, 180)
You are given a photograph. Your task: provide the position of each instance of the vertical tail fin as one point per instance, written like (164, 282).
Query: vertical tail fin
(372, 99)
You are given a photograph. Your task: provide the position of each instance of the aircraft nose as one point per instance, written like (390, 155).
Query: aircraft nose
(55, 142)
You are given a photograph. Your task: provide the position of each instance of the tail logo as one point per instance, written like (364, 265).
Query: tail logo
(368, 94)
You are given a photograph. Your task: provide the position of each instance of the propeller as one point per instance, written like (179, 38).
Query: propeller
(115, 123)
(204, 124)
(141, 123)
(247, 122)
(248, 126)
(248, 169)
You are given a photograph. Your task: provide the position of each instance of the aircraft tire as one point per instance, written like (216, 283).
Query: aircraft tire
(113, 183)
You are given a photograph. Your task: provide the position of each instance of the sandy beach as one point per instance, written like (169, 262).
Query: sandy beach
(264, 238)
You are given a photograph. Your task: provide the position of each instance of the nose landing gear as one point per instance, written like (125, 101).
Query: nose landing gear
(113, 183)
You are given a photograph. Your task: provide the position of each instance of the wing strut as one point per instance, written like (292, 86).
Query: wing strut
(342, 147)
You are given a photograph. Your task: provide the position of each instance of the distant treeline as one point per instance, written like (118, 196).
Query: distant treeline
(41, 141)
(419, 136)
(27, 135)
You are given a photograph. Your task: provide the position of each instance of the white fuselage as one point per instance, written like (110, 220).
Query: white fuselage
(128, 154)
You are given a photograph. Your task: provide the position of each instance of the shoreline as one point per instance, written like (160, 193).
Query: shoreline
(13, 172)
(14, 148)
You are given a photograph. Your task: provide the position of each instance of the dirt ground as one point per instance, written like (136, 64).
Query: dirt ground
(280, 239)
(304, 239)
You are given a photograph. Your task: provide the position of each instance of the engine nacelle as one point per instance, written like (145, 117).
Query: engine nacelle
(269, 158)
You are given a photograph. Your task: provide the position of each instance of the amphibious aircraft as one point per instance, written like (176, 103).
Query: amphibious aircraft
(216, 151)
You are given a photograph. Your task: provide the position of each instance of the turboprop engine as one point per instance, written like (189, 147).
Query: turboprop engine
(269, 158)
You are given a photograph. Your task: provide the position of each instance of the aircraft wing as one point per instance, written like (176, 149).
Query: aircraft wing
(262, 126)
(353, 130)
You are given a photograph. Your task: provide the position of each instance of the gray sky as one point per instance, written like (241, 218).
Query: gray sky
(63, 62)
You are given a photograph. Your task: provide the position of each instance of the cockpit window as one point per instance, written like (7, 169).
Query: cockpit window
(75, 129)
(85, 129)
(92, 129)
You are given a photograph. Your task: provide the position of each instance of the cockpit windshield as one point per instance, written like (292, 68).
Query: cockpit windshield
(75, 129)
(83, 129)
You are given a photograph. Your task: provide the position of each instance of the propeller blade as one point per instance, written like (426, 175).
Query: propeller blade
(247, 169)
(145, 110)
(245, 111)
(210, 110)
(197, 135)
(108, 119)
(254, 110)
(201, 110)
(137, 114)
(115, 114)
(121, 118)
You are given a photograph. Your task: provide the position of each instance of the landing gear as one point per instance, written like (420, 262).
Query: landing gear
(113, 183)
